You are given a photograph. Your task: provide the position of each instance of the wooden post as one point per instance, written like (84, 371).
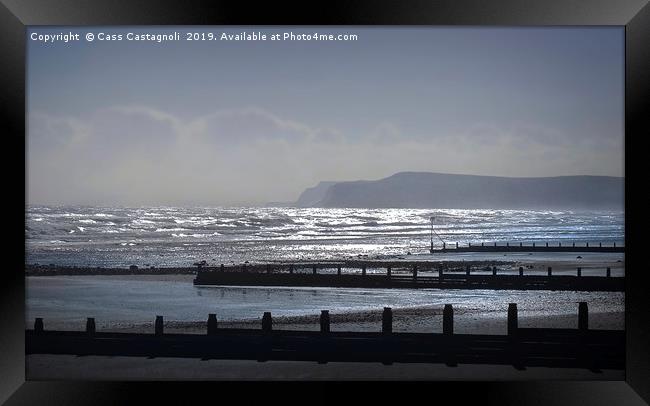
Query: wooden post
(324, 321)
(338, 270)
(415, 271)
(533, 245)
(550, 270)
(212, 324)
(559, 244)
(521, 244)
(494, 271)
(456, 245)
(495, 244)
(444, 245)
(439, 273)
(158, 326)
(482, 245)
(521, 271)
(388, 271)
(587, 245)
(363, 270)
(221, 268)
(267, 322)
(583, 316)
(573, 245)
(512, 319)
(600, 244)
(90, 326)
(448, 320)
(507, 244)
(614, 245)
(387, 321)
(609, 272)
(546, 245)
(38, 325)
(467, 270)
(579, 271)
(313, 269)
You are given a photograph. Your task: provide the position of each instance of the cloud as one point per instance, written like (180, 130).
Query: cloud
(137, 155)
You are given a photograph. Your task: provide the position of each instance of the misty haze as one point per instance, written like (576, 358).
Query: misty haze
(224, 124)
(388, 181)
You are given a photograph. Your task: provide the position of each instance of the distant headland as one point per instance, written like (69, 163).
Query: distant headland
(450, 191)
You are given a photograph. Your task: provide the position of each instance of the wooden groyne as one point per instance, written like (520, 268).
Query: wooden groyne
(532, 247)
(521, 347)
(411, 276)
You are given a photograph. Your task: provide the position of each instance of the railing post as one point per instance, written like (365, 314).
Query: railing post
(444, 245)
(583, 316)
(507, 244)
(495, 244)
(609, 272)
(456, 245)
(38, 325)
(546, 245)
(212, 324)
(291, 269)
(415, 271)
(313, 269)
(221, 268)
(579, 271)
(387, 321)
(158, 326)
(467, 270)
(550, 270)
(363, 270)
(600, 245)
(521, 271)
(521, 244)
(587, 245)
(324, 321)
(494, 271)
(90, 326)
(512, 320)
(440, 273)
(388, 271)
(533, 245)
(267, 322)
(338, 270)
(573, 245)
(559, 244)
(448, 320)
(614, 245)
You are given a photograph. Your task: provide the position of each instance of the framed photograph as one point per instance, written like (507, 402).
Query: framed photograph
(425, 192)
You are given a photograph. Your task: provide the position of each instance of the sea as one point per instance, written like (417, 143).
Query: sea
(175, 236)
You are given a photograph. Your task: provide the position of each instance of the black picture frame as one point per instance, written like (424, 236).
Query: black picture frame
(15, 15)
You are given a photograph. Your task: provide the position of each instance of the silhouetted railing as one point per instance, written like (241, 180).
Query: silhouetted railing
(573, 348)
(400, 274)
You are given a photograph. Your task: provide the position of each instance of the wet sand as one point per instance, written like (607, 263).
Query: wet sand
(90, 368)
(412, 320)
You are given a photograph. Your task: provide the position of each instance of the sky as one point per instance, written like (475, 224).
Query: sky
(219, 123)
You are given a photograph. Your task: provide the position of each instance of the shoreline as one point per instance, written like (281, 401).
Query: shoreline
(422, 319)
(507, 263)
